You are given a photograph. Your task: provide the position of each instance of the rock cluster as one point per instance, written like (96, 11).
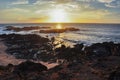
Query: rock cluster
(58, 30)
(24, 71)
(100, 61)
(28, 66)
(26, 46)
(17, 29)
(41, 29)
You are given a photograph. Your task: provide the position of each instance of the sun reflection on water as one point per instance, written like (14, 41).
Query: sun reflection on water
(59, 26)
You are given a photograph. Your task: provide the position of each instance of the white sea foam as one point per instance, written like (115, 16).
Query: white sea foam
(88, 34)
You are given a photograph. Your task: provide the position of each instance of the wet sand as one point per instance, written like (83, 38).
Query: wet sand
(5, 58)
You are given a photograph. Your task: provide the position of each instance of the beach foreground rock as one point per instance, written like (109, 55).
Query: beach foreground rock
(28, 66)
(100, 61)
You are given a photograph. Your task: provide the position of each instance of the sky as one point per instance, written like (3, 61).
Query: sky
(68, 11)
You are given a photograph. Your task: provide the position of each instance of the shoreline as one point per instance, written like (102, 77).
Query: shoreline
(96, 62)
(88, 34)
(6, 59)
(20, 46)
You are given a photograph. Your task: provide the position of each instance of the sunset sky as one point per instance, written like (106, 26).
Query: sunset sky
(73, 11)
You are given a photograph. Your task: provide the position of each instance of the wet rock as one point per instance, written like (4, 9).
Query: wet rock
(58, 30)
(116, 50)
(25, 46)
(10, 67)
(97, 50)
(70, 54)
(17, 29)
(115, 75)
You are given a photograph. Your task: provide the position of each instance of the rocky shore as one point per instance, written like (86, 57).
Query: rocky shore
(17, 29)
(100, 61)
(40, 29)
(58, 30)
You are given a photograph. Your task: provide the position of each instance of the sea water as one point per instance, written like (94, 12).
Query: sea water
(88, 33)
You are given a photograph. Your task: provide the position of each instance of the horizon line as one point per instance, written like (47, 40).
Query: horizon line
(58, 23)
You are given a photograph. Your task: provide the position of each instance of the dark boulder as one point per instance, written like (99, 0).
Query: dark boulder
(70, 54)
(78, 47)
(115, 75)
(98, 50)
(29, 66)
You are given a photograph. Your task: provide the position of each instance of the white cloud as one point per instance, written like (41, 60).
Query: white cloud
(106, 1)
(114, 4)
(17, 10)
(20, 2)
(111, 3)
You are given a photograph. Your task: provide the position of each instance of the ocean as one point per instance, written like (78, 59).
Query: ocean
(88, 33)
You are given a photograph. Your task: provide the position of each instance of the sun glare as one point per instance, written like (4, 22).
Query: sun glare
(58, 26)
(58, 15)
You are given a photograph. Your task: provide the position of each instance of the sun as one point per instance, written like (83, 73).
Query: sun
(59, 26)
(58, 16)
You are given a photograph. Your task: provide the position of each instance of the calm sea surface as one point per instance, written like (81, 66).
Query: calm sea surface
(88, 34)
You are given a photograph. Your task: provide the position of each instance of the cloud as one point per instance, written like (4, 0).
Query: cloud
(32, 1)
(16, 10)
(114, 4)
(111, 3)
(18, 2)
(106, 1)
(38, 18)
(63, 1)
(39, 9)
(94, 14)
(13, 14)
(41, 2)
